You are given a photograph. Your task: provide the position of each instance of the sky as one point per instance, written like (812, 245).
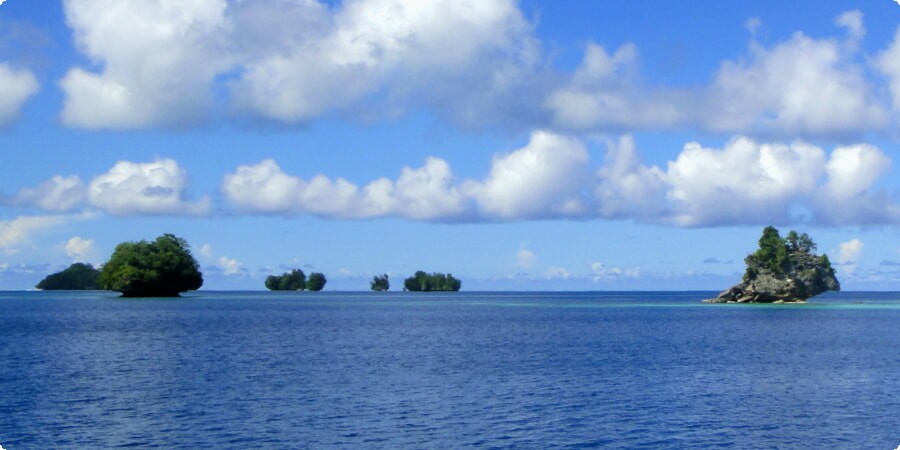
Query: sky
(519, 145)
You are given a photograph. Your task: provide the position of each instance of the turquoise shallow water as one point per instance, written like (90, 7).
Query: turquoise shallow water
(402, 370)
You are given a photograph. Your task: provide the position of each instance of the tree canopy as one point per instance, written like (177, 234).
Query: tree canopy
(426, 282)
(78, 276)
(316, 281)
(295, 280)
(380, 283)
(780, 255)
(162, 268)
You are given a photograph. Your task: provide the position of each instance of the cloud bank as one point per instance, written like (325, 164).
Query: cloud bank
(170, 63)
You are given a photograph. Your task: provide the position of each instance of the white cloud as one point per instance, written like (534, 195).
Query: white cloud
(425, 193)
(231, 266)
(19, 231)
(558, 273)
(206, 251)
(544, 179)
(289, 61)
(60, 193)
(601, 272)
(888, 63)
(849, 252)
(158, 61)
(155, 188)
(79, 249)
(745, 182)
(367, 46)
(602, 93)
(626, 188)
(800, 86)
(18, 86)
(526, 259)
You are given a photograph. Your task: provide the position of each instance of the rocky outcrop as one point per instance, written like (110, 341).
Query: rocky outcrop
(776, 275)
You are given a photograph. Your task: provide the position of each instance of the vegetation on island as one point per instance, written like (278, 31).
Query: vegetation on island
(380, 283)
(424, 282)
(316, 281)
(296, 280)
(77, 277)
(162, 268)
(782, 270)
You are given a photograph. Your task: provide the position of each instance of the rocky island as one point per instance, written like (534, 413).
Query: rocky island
(783, 270)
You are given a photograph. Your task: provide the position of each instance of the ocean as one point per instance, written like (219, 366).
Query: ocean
(630, 370)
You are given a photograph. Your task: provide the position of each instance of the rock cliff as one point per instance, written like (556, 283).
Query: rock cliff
(782, 271)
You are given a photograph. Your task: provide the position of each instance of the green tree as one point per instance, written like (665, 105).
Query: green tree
(316, 281)
(424, 282)
(78, 276)
(380, 283)
(162, 268)
(295, 280)
(773, 250)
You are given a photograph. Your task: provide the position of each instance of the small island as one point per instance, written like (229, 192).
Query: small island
(380, 283)
(162, 268)
(424, 282)
(296, 280)
(77, 277)
(782, 270)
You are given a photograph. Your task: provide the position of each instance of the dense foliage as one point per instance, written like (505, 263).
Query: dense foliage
(78, 276)
(380, 283)
(425, 282)
(781, 256)
(294, 280)
(162, 268)
(316, 281)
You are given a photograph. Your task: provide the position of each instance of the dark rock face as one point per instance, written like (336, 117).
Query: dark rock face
(797, 277)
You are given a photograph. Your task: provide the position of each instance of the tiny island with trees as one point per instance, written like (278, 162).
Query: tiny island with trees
(77, 277)
(162, 268)
(296, 280)
(782, 270)
(431, 282)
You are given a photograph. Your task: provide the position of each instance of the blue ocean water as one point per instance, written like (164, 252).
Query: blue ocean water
(403, 370)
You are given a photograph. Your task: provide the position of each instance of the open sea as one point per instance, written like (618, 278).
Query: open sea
(654, 370)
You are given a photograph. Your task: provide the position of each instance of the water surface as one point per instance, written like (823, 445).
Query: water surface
(404, 370)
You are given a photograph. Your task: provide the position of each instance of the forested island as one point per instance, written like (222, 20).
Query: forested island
(296, 280)
(162, 268)
(77, 277)
(380, 283)
(782, 270)
(425, 282)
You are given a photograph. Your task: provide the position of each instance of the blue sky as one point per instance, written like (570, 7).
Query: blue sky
(516, 144)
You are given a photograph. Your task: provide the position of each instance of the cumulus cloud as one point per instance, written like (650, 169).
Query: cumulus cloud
(544, 179)
(601, 272)
(289, 61)
(424, 193)
(525, 258)
(79, 249)
(602, 93)
(800, 86)
(154, 188)
(744, 182)
(158, 60)
(19, 231)
(18, 86)
(58, 194)
(231, 266)
(888, 63)
(849, 252)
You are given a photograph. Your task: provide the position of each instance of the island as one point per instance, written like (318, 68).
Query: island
(296, 280)
(782, 270)
(380, 283)
(77, 277)
(425, 282)
(162, 268)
